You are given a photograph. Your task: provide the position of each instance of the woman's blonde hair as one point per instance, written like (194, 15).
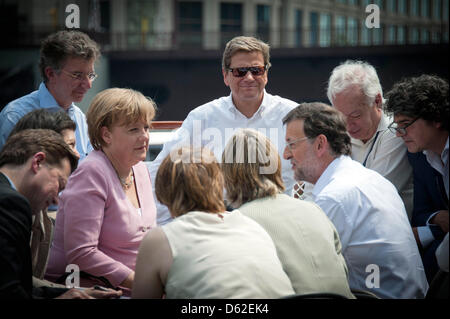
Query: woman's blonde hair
(251, 167)
(189, 179)
(117, 106)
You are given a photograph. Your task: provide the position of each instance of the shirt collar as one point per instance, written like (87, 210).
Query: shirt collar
(46, 99)
(232, 108)
(10, 181)
(327, 174)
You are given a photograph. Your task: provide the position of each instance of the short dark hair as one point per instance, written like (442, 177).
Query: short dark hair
(23, 145)
(320, 118)
(43, 119)
(425, 97)
(59, 46)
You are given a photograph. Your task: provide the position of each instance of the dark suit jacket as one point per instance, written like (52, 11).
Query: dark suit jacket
(429, 197)
(15, 255)
(15, 231)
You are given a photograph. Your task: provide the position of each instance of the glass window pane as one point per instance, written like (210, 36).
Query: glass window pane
(263, 22)
(314, 23)
(230, 21)
(340, 30)
(325, 30)
(299, 28)
(352, 31)
(401, 35)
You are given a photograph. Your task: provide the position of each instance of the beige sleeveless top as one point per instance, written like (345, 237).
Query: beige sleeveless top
(229, 257)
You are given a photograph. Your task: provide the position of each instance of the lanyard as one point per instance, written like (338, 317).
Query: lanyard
(371, 148)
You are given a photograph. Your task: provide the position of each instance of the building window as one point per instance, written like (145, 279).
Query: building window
(263, 22)
(445, 11)
(340, 27)
(402, 6)
(314, 32)
(378, 35)
(425, 9)
(414, 8)
(391, 6)
(230, 21)
(189, 24)
(437, 10)
(352, 31)
(353, 2)
(298, 28)
(425, 36)
(365, 34)
(325, 30)
(391, 30)
(401, 35)
(141, 15)
(415, 36)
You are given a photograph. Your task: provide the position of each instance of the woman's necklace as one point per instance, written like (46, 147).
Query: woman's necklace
(123, 181)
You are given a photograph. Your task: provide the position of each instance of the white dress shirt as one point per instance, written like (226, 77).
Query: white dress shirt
(385, 153)
(214, 123)
(440, 163)
(370, 218)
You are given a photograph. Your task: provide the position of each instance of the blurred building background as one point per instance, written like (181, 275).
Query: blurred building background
(171, 50)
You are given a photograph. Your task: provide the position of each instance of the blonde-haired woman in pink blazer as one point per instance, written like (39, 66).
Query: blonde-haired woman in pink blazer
(107, 206)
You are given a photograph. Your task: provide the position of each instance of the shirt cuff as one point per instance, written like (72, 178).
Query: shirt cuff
(425, 235)
(429, 218)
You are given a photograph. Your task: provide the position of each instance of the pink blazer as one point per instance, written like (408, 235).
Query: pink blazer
(97, 227)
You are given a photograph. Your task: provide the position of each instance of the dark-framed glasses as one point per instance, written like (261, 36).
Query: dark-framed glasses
(394, 127)
(79, 76)
(290, 145)
(254, 70)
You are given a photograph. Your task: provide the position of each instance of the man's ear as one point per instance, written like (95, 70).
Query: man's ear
(378, 101)
(37, 161)
(321, 145)
(50, 73)
(225, 77)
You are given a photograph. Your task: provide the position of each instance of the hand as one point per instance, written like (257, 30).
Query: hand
(103, 293)
(75, 293)
(441, 219)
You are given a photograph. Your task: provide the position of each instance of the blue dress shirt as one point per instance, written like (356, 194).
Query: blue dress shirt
(42, 99)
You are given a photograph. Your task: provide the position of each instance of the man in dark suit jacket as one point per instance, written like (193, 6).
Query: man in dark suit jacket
(34, 167)
(429, 198)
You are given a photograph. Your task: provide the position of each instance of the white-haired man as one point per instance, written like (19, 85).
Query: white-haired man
(354, 89)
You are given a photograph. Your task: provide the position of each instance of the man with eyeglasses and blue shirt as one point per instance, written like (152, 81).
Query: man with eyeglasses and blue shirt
(67, 68)
(245, 65)
(420, 107)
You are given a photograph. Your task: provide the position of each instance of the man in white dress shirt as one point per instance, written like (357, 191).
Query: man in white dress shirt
(245, 66)
(354, 89)
(369, 215)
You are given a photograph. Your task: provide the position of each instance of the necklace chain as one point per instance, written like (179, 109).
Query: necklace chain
(124, 183)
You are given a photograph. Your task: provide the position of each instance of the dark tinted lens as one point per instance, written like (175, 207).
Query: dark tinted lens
(255, 70)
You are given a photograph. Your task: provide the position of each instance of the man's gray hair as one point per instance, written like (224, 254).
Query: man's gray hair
(355, 72)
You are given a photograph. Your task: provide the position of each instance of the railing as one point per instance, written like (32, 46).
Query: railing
(305, 38)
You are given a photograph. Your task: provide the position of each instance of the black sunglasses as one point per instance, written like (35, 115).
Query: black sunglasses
(254, 70)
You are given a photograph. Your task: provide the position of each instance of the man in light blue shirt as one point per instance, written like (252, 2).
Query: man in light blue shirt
(67, 68)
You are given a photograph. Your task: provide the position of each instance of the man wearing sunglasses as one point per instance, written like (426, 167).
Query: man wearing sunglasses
(67, 68)
(420, 106)
(245, 67)
(354, 89)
